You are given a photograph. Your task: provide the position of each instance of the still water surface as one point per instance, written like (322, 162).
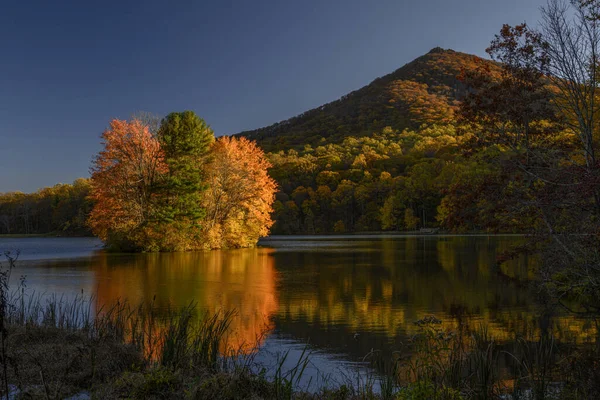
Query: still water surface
(343, 295)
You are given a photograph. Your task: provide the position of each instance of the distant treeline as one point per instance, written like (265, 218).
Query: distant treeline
(60, 209)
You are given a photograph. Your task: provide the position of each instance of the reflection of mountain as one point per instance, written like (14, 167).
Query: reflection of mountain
(242, 280)
(381, 291)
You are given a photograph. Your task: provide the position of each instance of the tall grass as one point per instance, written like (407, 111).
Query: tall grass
(5, 307)
(465, 363)
(436, 356)
(175, 338)
(483, 365)
(286, 381)
(536, 361)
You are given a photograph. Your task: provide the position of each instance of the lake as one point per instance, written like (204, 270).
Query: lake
(343, 296)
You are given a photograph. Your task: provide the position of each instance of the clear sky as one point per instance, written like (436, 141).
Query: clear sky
(68, 67)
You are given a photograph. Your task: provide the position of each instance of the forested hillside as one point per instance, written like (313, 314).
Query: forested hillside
(383, 157)
(424, 91)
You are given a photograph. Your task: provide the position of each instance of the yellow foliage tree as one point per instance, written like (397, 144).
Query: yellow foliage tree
(240, 195)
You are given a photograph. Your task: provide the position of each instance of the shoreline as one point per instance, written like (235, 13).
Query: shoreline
(41, 235)
(295, 235)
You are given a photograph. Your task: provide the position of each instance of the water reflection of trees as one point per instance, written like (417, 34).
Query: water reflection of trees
(242, 280)
(379, 293)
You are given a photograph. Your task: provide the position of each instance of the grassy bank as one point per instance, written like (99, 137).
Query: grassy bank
(58, 349)
(55, 348)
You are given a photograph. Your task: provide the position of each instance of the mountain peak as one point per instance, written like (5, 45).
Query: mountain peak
(440, 50)
(424, 91)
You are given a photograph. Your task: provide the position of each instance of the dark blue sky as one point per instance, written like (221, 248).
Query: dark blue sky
(68, 67)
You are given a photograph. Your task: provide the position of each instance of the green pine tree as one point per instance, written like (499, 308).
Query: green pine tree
(185, 138)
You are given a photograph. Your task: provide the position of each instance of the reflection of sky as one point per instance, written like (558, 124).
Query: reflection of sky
(67, 278)
(68, 281)
(322, 370)
(47, 248)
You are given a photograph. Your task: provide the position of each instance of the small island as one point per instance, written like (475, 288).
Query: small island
(178, 189)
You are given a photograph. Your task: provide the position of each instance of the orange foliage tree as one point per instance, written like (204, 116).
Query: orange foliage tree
(124, 177)
(240, 195)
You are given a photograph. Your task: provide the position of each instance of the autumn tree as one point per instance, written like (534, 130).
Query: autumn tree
(152, 121)
(547, 73)
(410, 220)
(506, 103)
(240, 194)
(388, 217)
(572, 265)
(572, 34)
(545, 103)
(125, 177)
